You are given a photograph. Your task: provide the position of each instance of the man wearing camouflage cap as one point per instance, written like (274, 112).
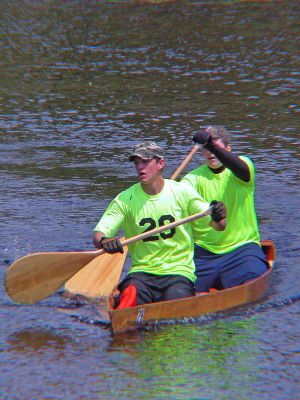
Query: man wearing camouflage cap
(229, 258)
(162, 265)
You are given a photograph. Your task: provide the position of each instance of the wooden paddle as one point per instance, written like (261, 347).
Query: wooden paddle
(36, 276)
(100, 276)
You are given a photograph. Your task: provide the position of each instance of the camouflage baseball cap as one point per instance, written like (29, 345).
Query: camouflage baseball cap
(147, 151)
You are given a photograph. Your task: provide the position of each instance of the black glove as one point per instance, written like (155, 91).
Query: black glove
(111, 245)
(218, 210)
(204, 138)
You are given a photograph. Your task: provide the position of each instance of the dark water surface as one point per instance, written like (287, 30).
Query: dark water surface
(81, 83)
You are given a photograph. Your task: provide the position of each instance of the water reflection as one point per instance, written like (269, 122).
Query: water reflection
(192, 356)
(31, 340)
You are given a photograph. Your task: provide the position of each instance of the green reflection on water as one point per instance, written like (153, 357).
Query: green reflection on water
(185, 359)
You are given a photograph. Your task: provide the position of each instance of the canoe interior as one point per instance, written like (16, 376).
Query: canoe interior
(221, 300)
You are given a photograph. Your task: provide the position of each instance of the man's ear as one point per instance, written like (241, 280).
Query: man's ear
(161, 163)
(228, 147)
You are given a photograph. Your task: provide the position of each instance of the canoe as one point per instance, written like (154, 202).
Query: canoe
(215, 301)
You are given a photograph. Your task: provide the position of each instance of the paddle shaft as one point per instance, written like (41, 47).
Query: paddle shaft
(185, 161)
(155, 231)
(166, 227)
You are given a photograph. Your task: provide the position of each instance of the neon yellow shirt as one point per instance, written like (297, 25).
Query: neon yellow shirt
(170, 252)
(238, 197)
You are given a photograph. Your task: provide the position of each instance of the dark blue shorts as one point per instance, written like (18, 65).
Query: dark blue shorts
(223, 271)
(152, 288)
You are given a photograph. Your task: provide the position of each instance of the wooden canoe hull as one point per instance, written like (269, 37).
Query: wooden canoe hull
(134, 317)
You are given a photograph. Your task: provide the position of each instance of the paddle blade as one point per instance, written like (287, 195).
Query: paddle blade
(99, 277)
(36, 276)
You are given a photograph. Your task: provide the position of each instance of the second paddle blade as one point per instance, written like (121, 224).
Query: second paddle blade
(99, 277)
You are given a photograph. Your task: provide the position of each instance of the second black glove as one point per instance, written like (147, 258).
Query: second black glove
(218, 210)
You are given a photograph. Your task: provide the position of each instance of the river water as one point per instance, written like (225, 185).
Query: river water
(81, 83)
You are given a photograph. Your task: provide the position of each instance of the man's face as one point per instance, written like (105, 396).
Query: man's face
(148, 170)
(210, 159)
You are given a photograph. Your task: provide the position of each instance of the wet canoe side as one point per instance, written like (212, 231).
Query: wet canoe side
(131, 318)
